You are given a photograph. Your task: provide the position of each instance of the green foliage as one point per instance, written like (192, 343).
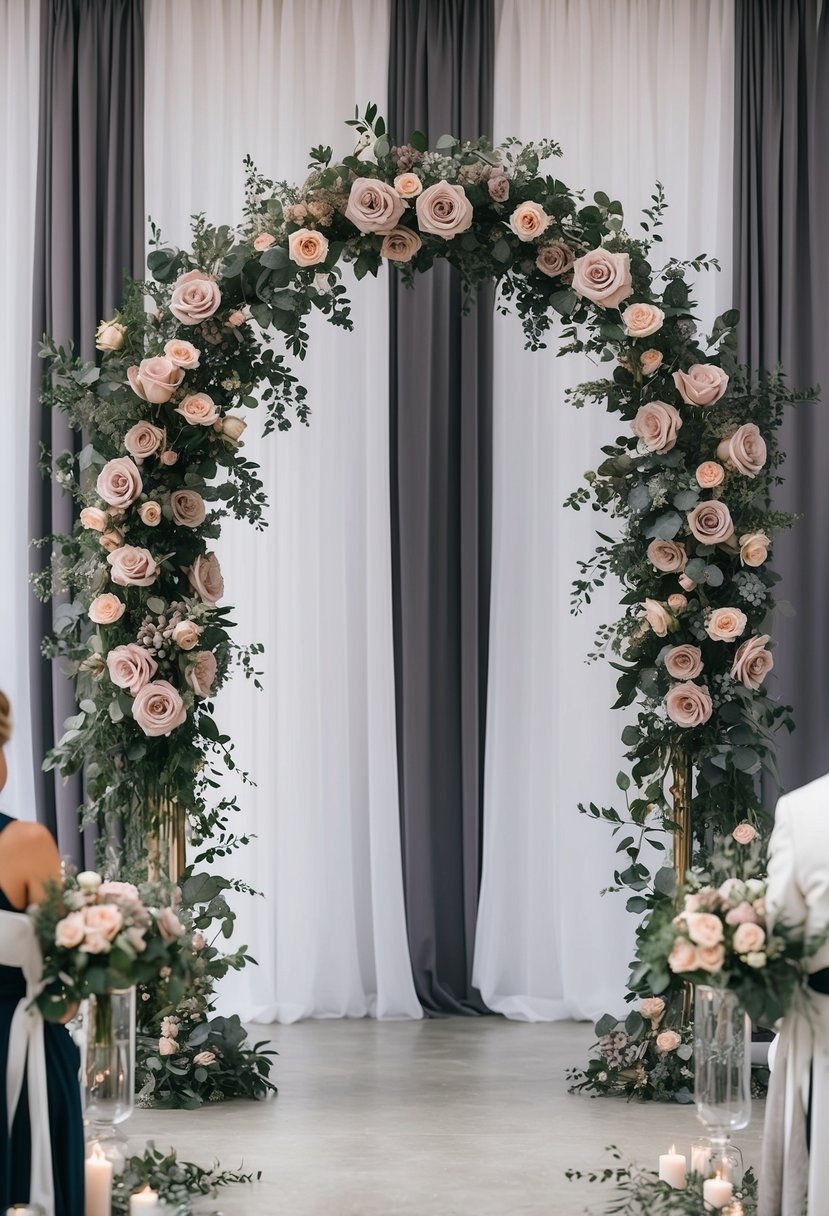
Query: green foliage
(176, 1182)
(637, 1191)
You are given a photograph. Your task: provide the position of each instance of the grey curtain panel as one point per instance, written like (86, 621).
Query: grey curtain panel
(89, 230)
(441, 81)
(782, 276)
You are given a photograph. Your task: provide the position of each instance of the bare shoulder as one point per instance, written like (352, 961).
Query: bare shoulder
(33, 839)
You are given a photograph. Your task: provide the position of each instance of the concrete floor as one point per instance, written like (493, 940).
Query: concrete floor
(457, 1117)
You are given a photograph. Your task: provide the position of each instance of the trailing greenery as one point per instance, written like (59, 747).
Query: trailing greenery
(176, 1182)
(639, 1192)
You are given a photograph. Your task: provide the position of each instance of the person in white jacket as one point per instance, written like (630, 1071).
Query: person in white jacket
(795, 1160)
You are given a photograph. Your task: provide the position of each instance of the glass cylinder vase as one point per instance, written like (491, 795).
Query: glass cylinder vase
(109, 1061)
(722, 1062)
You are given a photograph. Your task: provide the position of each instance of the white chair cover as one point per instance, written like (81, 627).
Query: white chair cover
(27, 1046)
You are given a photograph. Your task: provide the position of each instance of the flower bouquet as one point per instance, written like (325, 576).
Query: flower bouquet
(639, 1057)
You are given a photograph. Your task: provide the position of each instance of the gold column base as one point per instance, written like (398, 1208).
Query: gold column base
(167, 843)
(681, 792)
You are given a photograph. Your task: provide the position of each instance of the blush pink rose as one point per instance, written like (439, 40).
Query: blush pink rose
(143, 440)
(658, 617)
(195, 297)
(408, 185)
(167, 1047)
(689, 705)
(188, 508)
(704, 928)
(529, 220)
(95, 942)
(169, 925)
(603, 277)
(742, 914)
(198, 409)
(131, 667)
(684, 956)
(202, 673)
(444, 210)
(745, 450)
(657, 425)
(642, 320)
(686, 583)
(684, 662)
(726, 624)
(668, 1040)
(307, 247)
(711, 958)
(94, 518)
(182, 354)
(677, 603)
(155, 380)
(745, 833)
(400, 245)
(205, 576)
(373, 206)
(652, 1008)
(754, 548)
(667, 556)
(110, 335)
(711, 523)
(158, 709)
(498, 187)
(127, 892)
(752, 662)
(186, 635)
(70, 931)
(702, 384)
(204, 1059)
(106, 609)
(710, 474)
(133, 567)
(150, 514)
(119, 482)
(104, 918)
(650, 361)
(263, 241)
(555, 259)
(749, 937)
(112, 540)
(168, 458)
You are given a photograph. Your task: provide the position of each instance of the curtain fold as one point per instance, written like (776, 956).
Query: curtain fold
(781, 262)
(440, 81)
(635, 91)
(89, 230)
(273, 78)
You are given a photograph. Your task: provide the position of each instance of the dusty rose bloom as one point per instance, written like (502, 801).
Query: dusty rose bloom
(205, 576)
(745, 450)
(744, 833)
(155, 380)
(529, 220)
(106, 609)
(749, 937)
(158, 709)
(94, 518)
(752, 662)
(702, 384)
(652, 1008)
(307, 247)
(444, 210)
(667, 556)
(650, 361)
(70, 931)
(131, 667)
(119, 482)
(658, 617)
(204, 1059)
(668, 1040)
(689, 705)
(743, 913)
(112, 540)
(167, 1047)
(677, 602)
(201, 675)
(684, 662)
(498, 187)
(104, 918)
(710, 474)
(657, 425)
(182, 354)
(196, 296)
(400, 245)
(726, 624)
(169, 925)
(188, 508)
(373, 206)
(754, 548)
(168, 457)
(143, 440)
(683, 957)
(263, 241)
(711, 958)
(711, 523)
(555, 259)
(150, 514)
(133, 567)
(642, 320)
(186, 634)
(686, 583)
(198, 409)
(408, 185)
(603, 277)
(704, 928)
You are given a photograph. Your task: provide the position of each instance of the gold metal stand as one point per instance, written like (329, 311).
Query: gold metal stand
(167, 845)
(681, 792)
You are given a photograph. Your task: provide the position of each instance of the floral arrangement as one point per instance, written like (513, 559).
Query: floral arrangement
(637, 1190)
(639, 1057)
(175, 1182)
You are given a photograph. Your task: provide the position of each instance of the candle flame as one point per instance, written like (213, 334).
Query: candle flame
(673, 1150)
(98, 1153)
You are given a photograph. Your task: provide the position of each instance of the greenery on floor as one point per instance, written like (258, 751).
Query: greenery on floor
(639, 1192)
(176, 1182)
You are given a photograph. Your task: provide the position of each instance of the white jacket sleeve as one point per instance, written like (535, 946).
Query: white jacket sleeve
(785, 901)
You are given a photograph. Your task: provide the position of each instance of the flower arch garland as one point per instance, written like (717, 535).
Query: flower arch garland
(145, 634)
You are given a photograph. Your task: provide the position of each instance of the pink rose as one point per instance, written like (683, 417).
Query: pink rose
(668, 1040)
(158, 709)
(202, 673)
(677, 603)
(263, 241)
(70, 931)
(204, 1059)
(127, 892)
(155, 380)
(742, 914)
(752, 663)
(195, 298)
(143, 440)
(529, 220)
(112, 540)
(689, 705)
(400, 245)
(652, 1008)
(198, 409)
(555, 259)
(167, 1047)
(702, 384)
(726, 624)
(95, 942)
(168, 457)
(150, 514)
(119, 482)
(94, 518)
(110, 335)
(710, 474)
(106, 609)
(711, 523)
(686, 583)
(745, 450)
(498, 187)
(684, 662)
(188, 508)
(182, 354)
(667, 556)
(233, 428)
(186, 635)
(307, 247)
(704, 928)
(205, 577)
(729, 888)
(658, 617)
(744, 833)
(683, 956)
(373, 206)
(132, 567)
(603, 277)
(711, 958)
(642, 320)
(650, 361)
(169, 925)
(237, 318)
(103, 918)
(749, 937)
(444, 210)
(408, 185)
(657, 424)
(754, 549)
(131, 667)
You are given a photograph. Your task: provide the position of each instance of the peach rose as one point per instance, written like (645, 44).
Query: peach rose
(652, 1008)
(373, 206)
(400, 245)
(106, 919)
(195, 297)
(204, 1059)
(70, 931)
(603, 277)
(711, 523)
(167, 1047)
(131, 667)
(201, 675)
(182, 354)
(95, 942)
(754, 548)
(198, 409)
(143, 440)
(133, 567)
(711, 958)
(110, 335)
(752, 662)
(155, 380)
(555, 259)
(188, 508)
(106, 609)
(683, 957)
(307, 247)
(686, 583)
(498, 187)
(205, 576)
(741, 914)
(263, 241)
(169, 925)
(745, 450)
(689, 705)
(127, 892)
(529, 220)
(168, 458)
(702, 384)
(237, 318)
(684, 662)
(186, 635)
(749, 937)
(726, 624)
(744, 833)
(158, 709)
(668, 1040)
(677, 602)
(642, 320)
(650, 362)
(658, 617)
(657, 425)
(119, 482)
(444, 210)
(112, 540)
(704, 928)
(408, 185)
(94, 518)
(150, 514)
(667, 556)
(710, 474)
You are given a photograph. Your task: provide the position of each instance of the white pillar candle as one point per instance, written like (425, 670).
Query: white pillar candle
(717, 1192)
(701, 1158)
(672, 1169)
(98, 1183)
(143, 1201)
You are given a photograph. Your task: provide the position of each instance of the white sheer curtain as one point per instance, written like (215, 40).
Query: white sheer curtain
(635, 91)
(273, 77)
(19, 56)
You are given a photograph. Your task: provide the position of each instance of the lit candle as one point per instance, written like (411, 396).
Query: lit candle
(717, 1192)
(672, 1169)
(98, 1181)
(143, 1201)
